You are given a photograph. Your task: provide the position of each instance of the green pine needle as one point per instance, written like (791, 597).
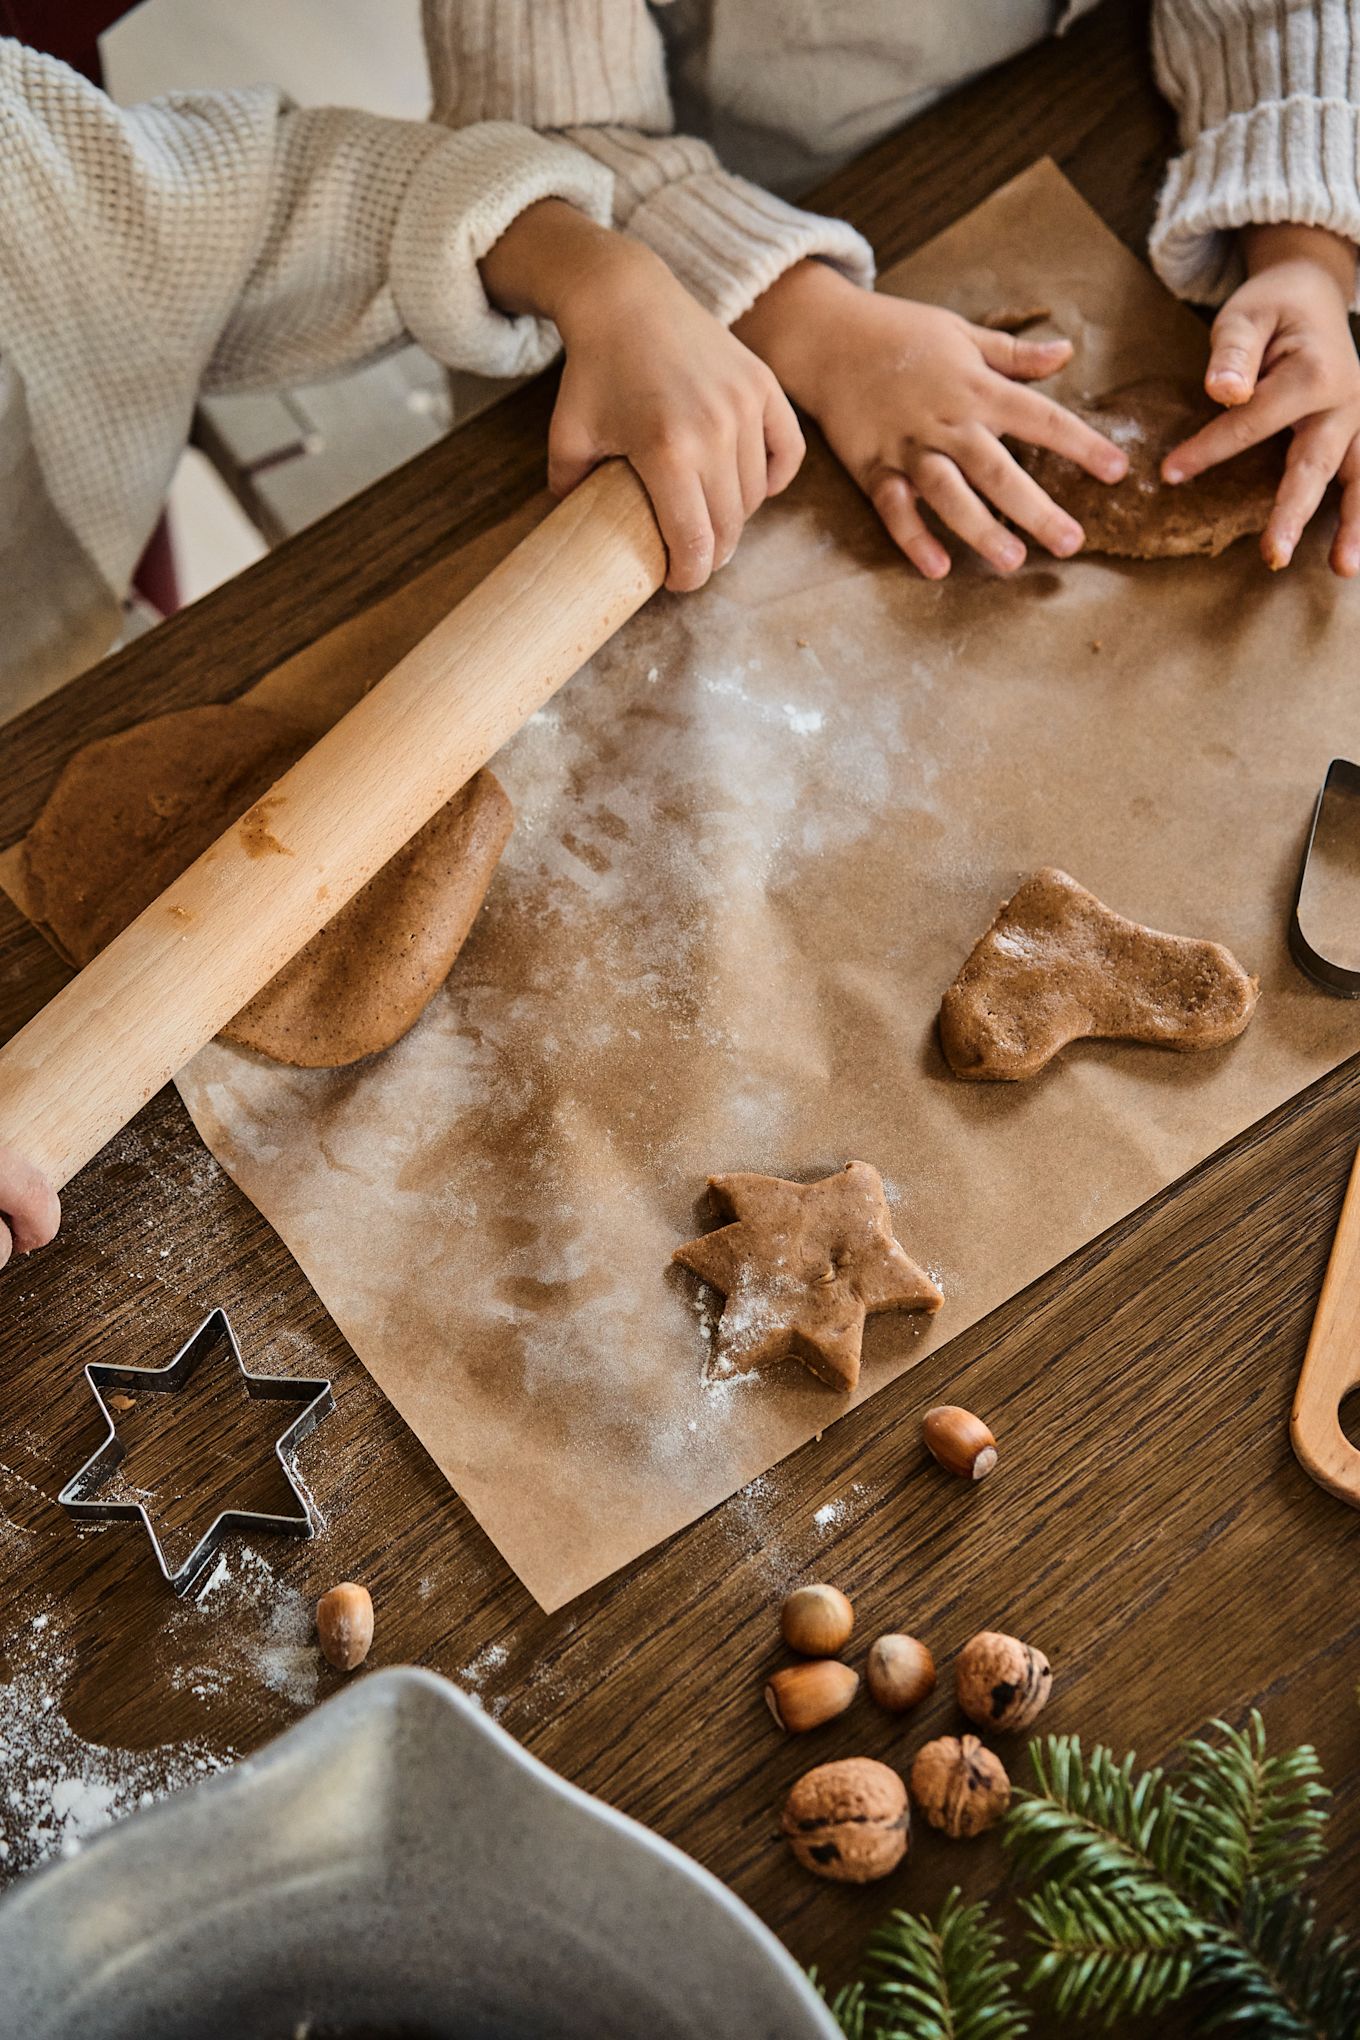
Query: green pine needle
(1112, 1953)
(1277, 1977)
(945, 1981)
(1254, 1819)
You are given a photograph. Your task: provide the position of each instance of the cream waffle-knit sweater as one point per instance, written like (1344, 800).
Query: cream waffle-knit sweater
(1267, 91)
(226, 241)
(216, 241)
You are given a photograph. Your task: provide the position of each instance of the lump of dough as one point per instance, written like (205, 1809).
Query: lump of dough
(1057, 965)
(131, 811)
(1143, 517)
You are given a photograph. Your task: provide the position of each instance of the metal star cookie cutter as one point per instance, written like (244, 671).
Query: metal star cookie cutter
(1333, 844)
(80, 1494)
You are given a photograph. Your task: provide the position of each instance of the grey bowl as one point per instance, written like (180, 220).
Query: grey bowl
(395, 1865)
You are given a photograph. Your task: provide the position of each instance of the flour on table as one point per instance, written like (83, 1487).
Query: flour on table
(56, 1790)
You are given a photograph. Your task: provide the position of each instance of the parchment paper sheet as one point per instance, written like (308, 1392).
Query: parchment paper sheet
(755, 839)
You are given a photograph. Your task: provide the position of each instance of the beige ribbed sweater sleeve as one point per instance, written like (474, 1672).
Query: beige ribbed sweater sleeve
(1268, 98)
(229, 240)
(594, 72)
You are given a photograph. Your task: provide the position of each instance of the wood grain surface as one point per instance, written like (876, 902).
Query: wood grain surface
(1148, 1525)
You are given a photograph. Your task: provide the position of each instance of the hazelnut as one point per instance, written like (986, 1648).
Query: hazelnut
(344, 1625)
(960, 1786)
(848, 1821)
(816, 1620)
(900, 1672)
(960, 1441)
(1001, 1682)
(804, 1696)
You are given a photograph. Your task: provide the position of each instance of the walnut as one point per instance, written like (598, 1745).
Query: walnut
(1001, 1682)
(849, 1821)
(960, 1786)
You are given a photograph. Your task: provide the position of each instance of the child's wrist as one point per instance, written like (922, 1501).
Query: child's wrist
(1267, 245)
(790, 326)
(554, 262)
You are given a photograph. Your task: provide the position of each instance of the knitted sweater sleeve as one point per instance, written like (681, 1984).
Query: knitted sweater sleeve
(594, 72)
(1268, 98)
(227, 239)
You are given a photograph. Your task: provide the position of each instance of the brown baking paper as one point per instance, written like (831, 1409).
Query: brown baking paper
(756, 837)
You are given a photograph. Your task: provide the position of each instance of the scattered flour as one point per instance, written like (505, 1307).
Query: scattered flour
(486, 1662)
(56, 1790)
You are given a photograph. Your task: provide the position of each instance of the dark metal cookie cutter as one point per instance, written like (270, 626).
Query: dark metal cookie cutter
(81, 1494)
(1336, 815)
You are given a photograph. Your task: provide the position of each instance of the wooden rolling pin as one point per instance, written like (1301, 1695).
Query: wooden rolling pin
(1331, 1366)
(83, 1066)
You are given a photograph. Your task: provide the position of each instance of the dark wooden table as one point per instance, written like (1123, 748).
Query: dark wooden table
(1148, 1524)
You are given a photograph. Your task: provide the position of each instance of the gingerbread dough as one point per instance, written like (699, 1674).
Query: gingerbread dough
(801, 1268)
(1143, 517)
(1057, 966)
(131, 811)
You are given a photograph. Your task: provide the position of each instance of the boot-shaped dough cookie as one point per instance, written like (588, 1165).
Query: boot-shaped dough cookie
(1056, 966)
(1143, 517)
(801, 1268)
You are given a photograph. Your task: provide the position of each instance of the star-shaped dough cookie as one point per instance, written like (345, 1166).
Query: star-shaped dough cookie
(801, 1268)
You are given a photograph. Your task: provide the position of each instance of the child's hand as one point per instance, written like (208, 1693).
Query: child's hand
(1283, 356)
(915, 402)
(652, 376)
(29, 1210)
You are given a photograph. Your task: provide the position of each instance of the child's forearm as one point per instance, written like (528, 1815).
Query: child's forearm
(554, 263)
(1265, 246)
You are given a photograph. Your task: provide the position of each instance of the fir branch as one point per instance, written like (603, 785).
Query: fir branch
(1099, 1822)
(1116, 1952)
(1275, 1977)
(945, 1981)
(1254, 1819)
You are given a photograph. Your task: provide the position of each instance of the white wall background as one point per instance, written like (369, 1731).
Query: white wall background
(340, 52)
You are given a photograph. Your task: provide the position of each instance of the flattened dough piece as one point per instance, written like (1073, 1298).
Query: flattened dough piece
(1057, 966)
(130, 812)
(1143, 517)
(801, 1268)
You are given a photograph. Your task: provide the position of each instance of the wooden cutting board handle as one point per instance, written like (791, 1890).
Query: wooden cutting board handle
(1331, 1366)
(83, 1066)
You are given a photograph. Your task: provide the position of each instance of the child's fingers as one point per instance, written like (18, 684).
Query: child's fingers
(1277, 403)
(572, 454)
(784, 442)
(681, 511)
(938, 480)
(726, 510)
(1346, 545)
(753, 468)
(1004, 483)
(1315, 453)
(6, 1244)
(895, 501)
(1010, 354)
(1038, 421)
(29, 1204)
(1237, 343)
